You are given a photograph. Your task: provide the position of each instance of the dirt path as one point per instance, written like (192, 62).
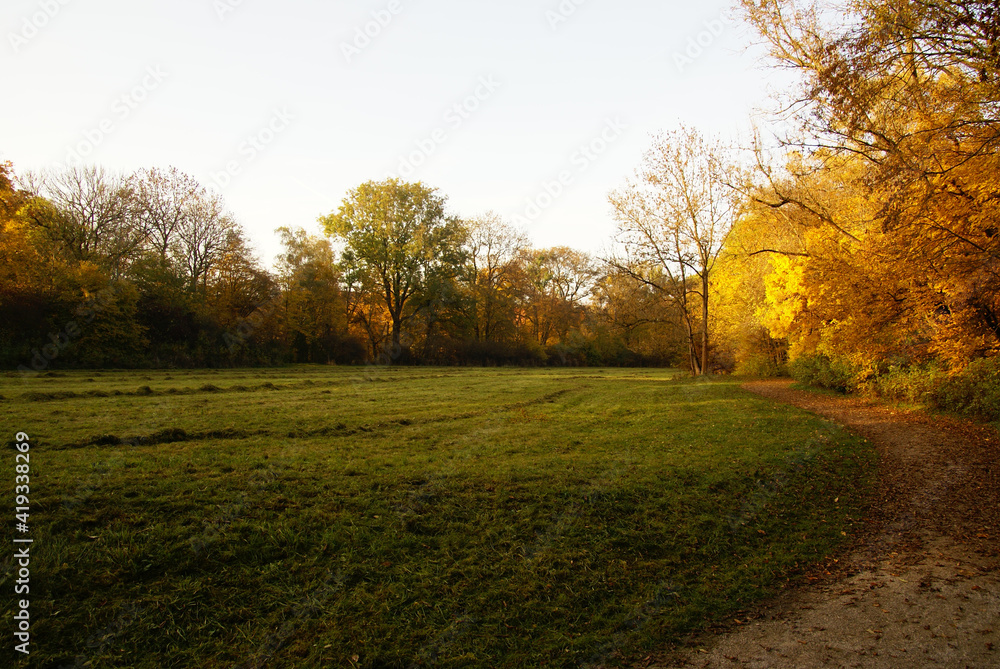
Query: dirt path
(922, 589)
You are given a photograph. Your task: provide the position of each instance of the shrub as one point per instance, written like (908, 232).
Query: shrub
(820, 370)
(975, 391)
(760, 366)
(905, 383)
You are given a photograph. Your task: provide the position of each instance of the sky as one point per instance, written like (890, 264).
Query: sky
(535, 110)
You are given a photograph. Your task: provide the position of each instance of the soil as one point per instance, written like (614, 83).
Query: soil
(921, 587)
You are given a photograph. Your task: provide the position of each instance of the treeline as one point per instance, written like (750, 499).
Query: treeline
(150, 269)
(859, 250)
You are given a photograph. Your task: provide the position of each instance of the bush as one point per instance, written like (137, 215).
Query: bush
(975, 391)
(903, 383)
(820, 370)
(488, 354)
(760, 366)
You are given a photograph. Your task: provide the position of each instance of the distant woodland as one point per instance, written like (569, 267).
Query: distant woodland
(855, 244)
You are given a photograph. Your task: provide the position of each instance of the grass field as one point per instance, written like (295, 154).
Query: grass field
(318, 516)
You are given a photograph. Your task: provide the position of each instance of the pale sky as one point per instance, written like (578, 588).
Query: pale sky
(187, 83)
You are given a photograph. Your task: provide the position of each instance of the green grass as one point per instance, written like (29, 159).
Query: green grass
(411, 517)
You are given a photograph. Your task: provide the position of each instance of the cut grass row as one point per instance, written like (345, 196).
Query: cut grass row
(498, 518)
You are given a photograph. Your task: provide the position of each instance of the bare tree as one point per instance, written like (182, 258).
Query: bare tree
(673, 220)
(92, 221)
(202, 238)
(494, 249)
(164, 201)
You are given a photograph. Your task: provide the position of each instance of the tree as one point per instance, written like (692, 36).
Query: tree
(871, 67)
(764, 242)
(164, 202)
(238, 285)
(202, 237)
(559, 280)
(315, 317)
(92, 222)
(910, 89)
(29, 278)
(24, 248)
(673, 220)
(494, 249)
(397, 240)
(637, 316)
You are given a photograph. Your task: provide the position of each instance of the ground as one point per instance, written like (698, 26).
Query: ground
(410, 517)
(920, 588)
(375, 517)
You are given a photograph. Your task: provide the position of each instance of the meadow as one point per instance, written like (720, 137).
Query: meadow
(398, 517)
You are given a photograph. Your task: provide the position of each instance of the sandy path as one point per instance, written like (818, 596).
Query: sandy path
(922, 589)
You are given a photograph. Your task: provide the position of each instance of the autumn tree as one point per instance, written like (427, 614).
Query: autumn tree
(884, 79)
(315, 309)
(29, 280)
(366, 311)
(24, 247)
(237, 284)
(202, 237)
(494, 250)
(559, 281)
(910, 88)
(636, 315)
(398, 241)
(673, 220)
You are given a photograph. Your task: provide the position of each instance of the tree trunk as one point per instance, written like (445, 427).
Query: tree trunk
(692, 348)
(704, 322)
(397, 347)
